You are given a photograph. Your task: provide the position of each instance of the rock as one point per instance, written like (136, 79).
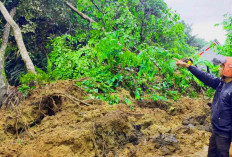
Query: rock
(168, 144)
(187, 129)
(185, 122)
(199, 122)
(191, 126)
(208, 127)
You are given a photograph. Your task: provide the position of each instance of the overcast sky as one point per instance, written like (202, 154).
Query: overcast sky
(203, 14)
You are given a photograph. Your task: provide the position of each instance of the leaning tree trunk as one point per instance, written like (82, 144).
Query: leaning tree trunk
(19, 39)
(82, 15)
(3, 80)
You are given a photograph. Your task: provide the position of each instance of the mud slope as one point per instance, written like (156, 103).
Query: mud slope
(61, 121)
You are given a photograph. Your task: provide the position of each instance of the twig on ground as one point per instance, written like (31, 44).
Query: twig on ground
(54, 103)
(77, 101)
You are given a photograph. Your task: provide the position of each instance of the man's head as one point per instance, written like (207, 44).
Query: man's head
(225, 65)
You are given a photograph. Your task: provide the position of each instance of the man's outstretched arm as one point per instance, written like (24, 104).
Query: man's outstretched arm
(206, 78)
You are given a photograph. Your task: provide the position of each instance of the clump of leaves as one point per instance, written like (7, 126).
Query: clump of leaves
(24, 89)
(30, 80)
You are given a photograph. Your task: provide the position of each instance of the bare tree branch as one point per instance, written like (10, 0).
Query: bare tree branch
(79, 13)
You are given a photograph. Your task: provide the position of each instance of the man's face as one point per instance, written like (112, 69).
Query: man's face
(221, 68)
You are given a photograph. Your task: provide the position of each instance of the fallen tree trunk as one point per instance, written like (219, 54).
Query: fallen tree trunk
(3, 80)
(19, 39)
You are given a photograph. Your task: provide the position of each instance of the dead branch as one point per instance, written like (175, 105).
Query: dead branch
(79, 13)
(82, 14)
(13, 97)
(75, 100)
(54, 103)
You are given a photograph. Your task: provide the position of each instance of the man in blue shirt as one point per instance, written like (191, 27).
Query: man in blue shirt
(221, 110)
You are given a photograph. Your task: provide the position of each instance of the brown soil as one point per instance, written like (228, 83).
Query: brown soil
(60, 121)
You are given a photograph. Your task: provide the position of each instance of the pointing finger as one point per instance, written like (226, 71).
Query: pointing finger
(176, 59)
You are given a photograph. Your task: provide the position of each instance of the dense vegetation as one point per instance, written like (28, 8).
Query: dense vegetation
(226, 49)
(131, 45)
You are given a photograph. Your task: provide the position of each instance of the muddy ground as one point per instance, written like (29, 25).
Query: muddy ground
(60, 120)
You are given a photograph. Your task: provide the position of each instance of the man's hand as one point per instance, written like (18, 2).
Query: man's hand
(180, 63)
(230, 151)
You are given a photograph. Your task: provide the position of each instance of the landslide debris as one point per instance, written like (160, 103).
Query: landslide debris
(61, 120)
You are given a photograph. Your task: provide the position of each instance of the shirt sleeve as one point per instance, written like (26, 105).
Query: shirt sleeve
(206, 78)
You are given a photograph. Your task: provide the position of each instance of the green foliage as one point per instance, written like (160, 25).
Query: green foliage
(155, 97)
(113, 99)
(41, 78)
(136, 46)
(226, 49)
(24, 89)
(128, 102)
(28, 78)
(108, 64)
(135, 52)
(38, 20)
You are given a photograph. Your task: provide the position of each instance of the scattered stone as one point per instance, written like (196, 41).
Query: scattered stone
(199, 122)
(185, 122)
(168, 144)
(191, 126)
(208, 127)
